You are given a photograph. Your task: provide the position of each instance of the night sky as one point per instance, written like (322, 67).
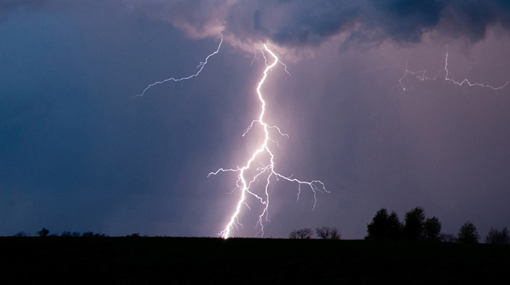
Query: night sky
(78, 152)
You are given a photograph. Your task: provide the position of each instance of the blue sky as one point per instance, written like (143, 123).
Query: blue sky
(79, 153)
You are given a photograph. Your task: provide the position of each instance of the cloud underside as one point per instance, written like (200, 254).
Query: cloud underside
(304, 23)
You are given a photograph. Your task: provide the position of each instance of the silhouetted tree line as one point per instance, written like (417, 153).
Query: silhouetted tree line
(322, 233)
(44, 232)
(416, 227)
(384, 226)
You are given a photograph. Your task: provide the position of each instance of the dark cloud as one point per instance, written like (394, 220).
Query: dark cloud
(291, 23)
(296, 23)
(310, 23)
(402, 20)
(472, 18)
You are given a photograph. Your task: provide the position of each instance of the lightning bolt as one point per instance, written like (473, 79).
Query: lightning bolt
(420, 75)
(200, 67)
(245, 180)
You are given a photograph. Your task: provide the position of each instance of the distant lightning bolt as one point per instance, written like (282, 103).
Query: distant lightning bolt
(467, 81)
(200, 67)
(421, 76)
(245, 181)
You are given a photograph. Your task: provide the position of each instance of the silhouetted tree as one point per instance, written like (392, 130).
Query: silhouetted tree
(384, 227)
(43, 233)
(327, 233)
(378, 227)
(66, 234)
(498, 237)
(335, 234)
(76, 234)
(394, 227)
(305, 233)
(468, 233)
(414, 224)
(432, 229)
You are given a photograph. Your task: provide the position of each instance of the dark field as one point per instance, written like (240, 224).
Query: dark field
(142, 260)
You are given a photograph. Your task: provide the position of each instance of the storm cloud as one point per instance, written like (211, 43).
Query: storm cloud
(309, 23)
(299, 23)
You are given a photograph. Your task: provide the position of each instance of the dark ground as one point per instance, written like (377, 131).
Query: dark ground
(142, 260)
